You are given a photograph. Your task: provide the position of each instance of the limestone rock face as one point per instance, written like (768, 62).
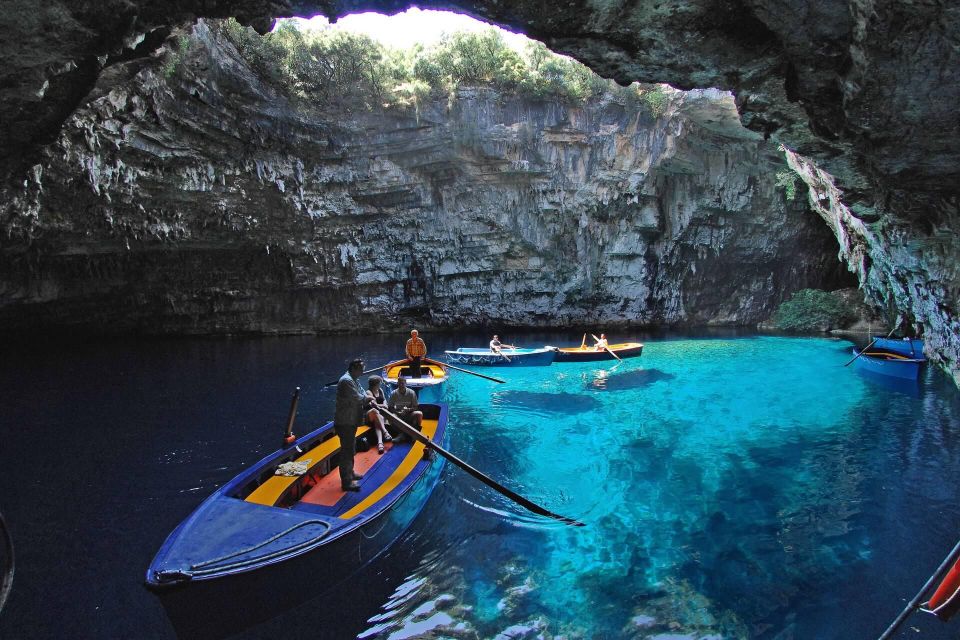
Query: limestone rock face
(866, 90)
(211, 202)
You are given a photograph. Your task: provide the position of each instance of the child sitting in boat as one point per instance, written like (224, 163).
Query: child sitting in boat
(601, 343)
(374, 419)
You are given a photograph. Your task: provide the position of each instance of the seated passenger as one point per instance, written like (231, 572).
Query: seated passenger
(601, 344)
(374, 419)
(403, 403)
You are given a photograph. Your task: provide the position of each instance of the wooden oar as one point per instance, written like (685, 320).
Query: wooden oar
(330, 384)
(479, 475)
(473, 373)
(607, 348)
(860, 353)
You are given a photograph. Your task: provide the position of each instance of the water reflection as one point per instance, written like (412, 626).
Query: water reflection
(605, 381)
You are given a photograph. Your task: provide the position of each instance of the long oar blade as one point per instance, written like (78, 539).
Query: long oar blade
(479, 475)
(473, 373)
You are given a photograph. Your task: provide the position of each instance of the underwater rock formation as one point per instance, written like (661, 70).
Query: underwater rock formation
(207, 200)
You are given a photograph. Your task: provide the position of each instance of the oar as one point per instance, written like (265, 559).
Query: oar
(913, 604)
(866, 348)
(487, 480)
(583, 343)
(607, 348)
(473, 373)
(330, 384)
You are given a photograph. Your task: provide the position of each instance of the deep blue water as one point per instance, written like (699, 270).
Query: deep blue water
(735, 487)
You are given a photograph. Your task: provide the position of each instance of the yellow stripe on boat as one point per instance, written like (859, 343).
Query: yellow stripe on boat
(437, 372)
(402, 471)
(270, 491)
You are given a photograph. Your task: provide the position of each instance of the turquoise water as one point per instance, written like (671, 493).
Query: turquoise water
(733, 487)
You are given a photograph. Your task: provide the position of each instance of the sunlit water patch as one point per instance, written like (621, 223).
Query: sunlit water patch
(731, 487)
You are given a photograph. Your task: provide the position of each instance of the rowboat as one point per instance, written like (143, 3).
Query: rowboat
(264, 543)
(888, 363)
(505, 358)
(430, 386)
(910, 347)
(584, 353)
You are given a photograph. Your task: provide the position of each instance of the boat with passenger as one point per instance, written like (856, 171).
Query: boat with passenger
(887, 363)
(431, 383)
(504, 357)
(283, 530)
(585, 353)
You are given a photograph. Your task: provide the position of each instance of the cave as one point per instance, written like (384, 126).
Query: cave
(158, 181)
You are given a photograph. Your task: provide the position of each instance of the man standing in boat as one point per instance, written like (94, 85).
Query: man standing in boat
(416, 350)
(352, 403)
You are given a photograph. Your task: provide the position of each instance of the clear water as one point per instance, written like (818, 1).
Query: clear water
(734, 487)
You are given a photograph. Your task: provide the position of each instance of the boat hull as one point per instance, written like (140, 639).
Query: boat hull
(225, 606)
(588, 354)
(510, 357)
(227, 600)
(892, 365)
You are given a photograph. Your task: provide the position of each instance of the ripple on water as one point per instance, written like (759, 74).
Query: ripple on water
(635, 379)
(541, 402)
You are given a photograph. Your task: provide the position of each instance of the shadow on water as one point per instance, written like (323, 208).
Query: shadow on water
(891, 384)
(629, 380)
(568, 403)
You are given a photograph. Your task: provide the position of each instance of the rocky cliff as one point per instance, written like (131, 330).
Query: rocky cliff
(865, 90)
(206, 199)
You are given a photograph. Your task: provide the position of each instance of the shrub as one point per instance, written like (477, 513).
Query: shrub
(332, 66)
(787, 180)
(814, 310)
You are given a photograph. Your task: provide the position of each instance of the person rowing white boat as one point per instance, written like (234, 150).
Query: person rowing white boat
(601, 343)
(496, 346)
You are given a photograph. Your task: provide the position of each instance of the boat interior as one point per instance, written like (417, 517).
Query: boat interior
(591, 348)
(319, 489)
(405, 371)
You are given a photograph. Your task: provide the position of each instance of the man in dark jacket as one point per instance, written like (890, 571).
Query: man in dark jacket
(352, 403)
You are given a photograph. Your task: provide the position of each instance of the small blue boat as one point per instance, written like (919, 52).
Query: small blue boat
(505, 358)
(888, 363)
(264, 543)
(910, 347)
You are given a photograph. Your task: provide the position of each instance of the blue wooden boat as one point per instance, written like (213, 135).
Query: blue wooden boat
(506, 358)
(264, 543)
(430, 386)
(888, 363)
(910, 347)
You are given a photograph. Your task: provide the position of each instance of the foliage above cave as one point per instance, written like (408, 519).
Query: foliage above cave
(332, 66)
(814, 310)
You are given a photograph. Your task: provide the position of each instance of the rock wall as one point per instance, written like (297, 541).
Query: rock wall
(866, 90)
(211, 201)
